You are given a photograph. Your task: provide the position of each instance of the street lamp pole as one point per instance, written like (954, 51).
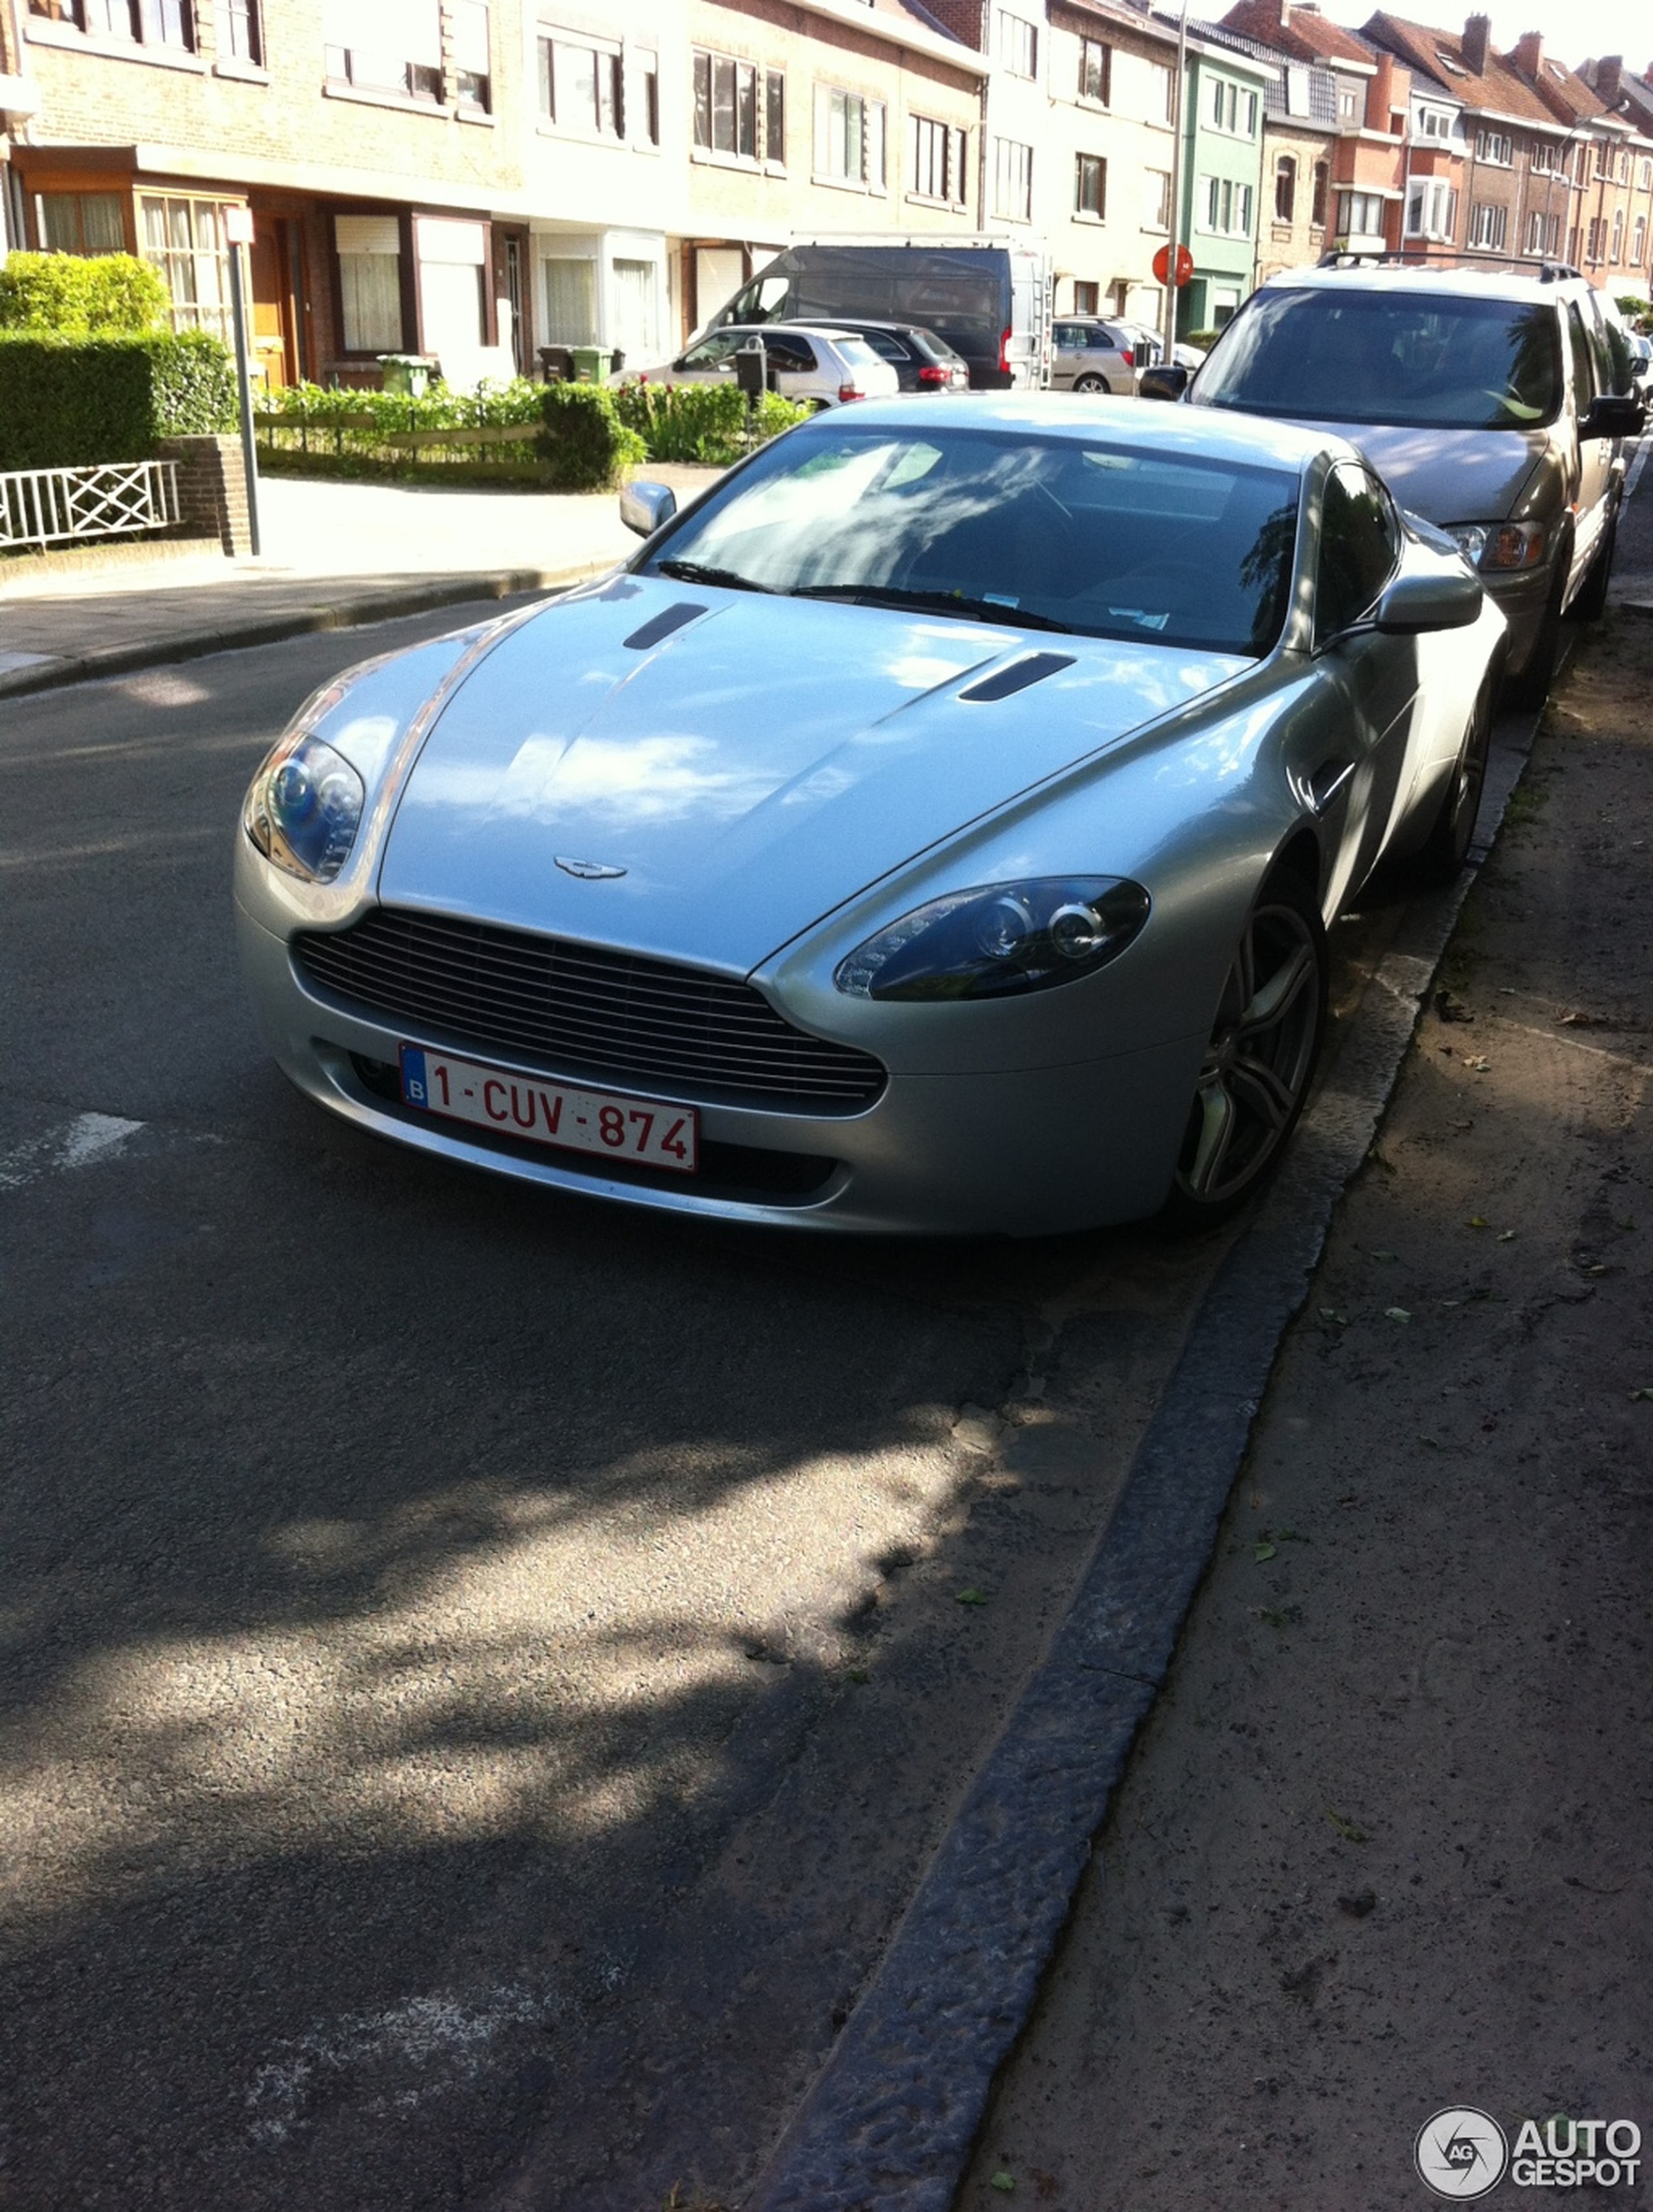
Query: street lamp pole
(1172, 255)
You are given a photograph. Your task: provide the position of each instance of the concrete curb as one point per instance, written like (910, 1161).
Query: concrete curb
(343, 613)
(890, 2122)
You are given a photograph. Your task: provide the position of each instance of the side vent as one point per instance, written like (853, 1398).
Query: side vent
(662, 625)
(1017, 677)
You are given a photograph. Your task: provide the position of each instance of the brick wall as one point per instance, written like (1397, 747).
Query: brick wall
(212, 490)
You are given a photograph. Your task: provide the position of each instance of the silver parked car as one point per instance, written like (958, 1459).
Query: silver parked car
(821, 365)
(933, 828)
(1492, 402)
(1090, 355)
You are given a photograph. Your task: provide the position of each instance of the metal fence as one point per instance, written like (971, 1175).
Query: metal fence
(47, 507)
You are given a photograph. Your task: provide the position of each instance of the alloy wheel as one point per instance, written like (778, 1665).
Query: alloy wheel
(1261, 1053)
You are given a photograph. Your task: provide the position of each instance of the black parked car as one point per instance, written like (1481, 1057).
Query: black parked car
(921, 361)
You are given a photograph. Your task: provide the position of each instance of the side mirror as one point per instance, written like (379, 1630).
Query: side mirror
(644, 506)
(1416, 603)
(1613, 415)
(1164, 379)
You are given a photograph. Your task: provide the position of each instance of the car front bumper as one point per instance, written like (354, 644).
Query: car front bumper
(1025, 1152)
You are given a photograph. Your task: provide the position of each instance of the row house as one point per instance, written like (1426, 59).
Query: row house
(1513, 156)
(1356, 205)
(1609, 232)
(1106, 207)
(477, 178)
(1221, 174)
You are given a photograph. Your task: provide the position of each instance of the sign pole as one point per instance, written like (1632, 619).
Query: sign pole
(1174, 254)
(237, 226)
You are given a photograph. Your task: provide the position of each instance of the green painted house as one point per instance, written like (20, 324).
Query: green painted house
(1221, 181)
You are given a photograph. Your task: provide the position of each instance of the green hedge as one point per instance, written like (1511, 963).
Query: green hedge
(109, 295)
(701, 422)
(72, 402)
(584, 445)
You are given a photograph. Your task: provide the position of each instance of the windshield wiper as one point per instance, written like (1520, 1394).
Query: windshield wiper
(697, 572)
(941, 603)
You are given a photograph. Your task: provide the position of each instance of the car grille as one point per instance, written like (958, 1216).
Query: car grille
(581, 1010)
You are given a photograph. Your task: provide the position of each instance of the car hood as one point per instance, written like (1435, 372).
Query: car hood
(746, 773)
(1450, 475)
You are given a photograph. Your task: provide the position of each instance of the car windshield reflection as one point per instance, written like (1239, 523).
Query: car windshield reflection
(1099, 539)
(1402, 358)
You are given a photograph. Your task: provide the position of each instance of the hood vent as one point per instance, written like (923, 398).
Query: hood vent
(662, 624)
(1017, 677)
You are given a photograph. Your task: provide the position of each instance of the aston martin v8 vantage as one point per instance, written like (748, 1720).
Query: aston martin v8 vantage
(933, 828)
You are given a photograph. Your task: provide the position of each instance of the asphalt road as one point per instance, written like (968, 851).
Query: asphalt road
(480, 1672)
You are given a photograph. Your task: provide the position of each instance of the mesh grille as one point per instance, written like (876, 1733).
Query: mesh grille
(584, 1012)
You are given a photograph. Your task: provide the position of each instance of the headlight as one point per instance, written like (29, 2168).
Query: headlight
(1500, 545)
(304, 806)
(998, 940)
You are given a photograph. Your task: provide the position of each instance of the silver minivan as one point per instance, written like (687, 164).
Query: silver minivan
(1492, 403)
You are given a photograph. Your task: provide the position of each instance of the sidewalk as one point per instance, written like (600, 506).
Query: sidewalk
(1383, 1844)
(334, 553)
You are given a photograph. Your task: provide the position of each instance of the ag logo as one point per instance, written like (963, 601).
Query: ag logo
(1461, 2153)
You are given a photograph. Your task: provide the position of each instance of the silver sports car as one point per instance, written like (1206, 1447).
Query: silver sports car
(933, 828)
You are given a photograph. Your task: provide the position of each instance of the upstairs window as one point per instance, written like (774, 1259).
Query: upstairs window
(725, 106)
(937, 160)
(473, 74)
(1018, 44)
(849, 138)
(1322, 194)
(1013, 181)
(774, 117)
(1285, 188)
(1494, 147)
(1232, 109)
(1434, 123)
(581, 85)
(1095, 70)
(1090, 186)
(146, 22)
(1159, 92)
(385, 45)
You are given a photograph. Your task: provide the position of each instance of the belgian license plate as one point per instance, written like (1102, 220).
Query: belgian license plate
(545, 1112)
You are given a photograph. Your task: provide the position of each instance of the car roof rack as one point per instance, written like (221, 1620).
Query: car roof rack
(1541, 272)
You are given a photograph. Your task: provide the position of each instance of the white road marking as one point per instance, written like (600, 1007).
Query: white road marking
(88, 1136)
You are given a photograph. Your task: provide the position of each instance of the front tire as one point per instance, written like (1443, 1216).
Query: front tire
(1265, 1040)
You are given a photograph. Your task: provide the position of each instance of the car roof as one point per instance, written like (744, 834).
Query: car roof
(853, 325)
(1422, 276)
(1256, 439)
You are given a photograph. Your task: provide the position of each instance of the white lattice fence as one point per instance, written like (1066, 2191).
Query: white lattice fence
(46, 507)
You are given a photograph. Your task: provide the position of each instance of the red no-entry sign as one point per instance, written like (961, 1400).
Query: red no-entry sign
(1185, 265)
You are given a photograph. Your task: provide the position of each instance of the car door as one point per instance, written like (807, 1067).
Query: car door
(795, 371)
(1067, 351)
(711, 361)
(1360, 786)
(1597, 461)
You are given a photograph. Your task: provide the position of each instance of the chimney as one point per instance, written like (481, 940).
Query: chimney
(1285, 14)
(1380, 94)
(1529, 53)
(1608, 79)
(1477, 37)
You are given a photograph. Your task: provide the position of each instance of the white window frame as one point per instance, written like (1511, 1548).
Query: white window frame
(1225, 205)
(954, 144)
(1013, 181)
(1018, 45)
(1495, 149)
(1489, 226)
(865, 168)
(603, 52)
(1099, 213)
(1431, 210)
(1087, 47)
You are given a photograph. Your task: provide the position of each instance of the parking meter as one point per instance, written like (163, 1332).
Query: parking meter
(752, 369)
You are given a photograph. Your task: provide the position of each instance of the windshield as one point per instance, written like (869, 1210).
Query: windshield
(1096, 537)
(1391, 357)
